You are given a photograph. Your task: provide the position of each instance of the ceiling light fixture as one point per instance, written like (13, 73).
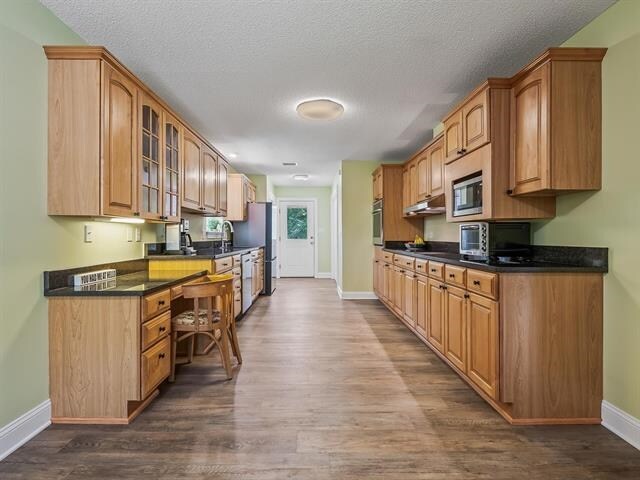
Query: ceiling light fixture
(232, 155)
(290, 164)
(320, 109)
(301, 177)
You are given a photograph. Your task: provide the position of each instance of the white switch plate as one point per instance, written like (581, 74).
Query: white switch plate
(129, 234)
(138, 235)
(88, 233)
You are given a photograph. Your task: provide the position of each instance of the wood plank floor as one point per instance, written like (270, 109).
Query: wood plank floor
(328, 390)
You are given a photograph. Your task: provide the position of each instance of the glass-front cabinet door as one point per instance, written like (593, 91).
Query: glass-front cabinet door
(150, 160)
(172, 161)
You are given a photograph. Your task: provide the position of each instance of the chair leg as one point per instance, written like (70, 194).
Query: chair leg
(174, 348)
(224, 355)
(191, 348)
(233, 337)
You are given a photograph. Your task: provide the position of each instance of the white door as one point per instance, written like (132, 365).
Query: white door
(297, 238)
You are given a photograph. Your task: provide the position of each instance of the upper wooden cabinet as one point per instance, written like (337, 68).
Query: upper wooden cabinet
(240, 190)
(377, 184)
(475, 122)
(119, 172)
(435, 182)
(424, 174)
(556, 123)
(116, 149)
(453, 136)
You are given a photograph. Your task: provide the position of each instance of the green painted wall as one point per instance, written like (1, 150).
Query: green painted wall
(30, 241)
(357, 248)
(323, 235)
(610, 217)
(264, 188)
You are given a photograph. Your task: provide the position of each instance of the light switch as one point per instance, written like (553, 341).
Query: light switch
(138, 235)
(129, 234)
(88, 233)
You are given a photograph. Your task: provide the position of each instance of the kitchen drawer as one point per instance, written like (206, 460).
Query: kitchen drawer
(156, 365)
(237, 260)
(237, 287)
(436, 270)
(156, 303)
(378, 254)
(455, 275)
(254, 254)
(223, 264)
(177, 290)
(406, 263)
(484, 283)
(237, 273)
(237, 307)
(155, 329)
(421, 266)
(387, 257)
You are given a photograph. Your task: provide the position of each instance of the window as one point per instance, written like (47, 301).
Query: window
(213, 227)
(296, 223)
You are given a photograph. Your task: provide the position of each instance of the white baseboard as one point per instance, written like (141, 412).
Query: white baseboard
(24, 428)
(357, 295)
(324, 275)
(626, 426)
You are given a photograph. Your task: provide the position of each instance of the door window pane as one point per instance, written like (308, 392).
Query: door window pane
(296, 223)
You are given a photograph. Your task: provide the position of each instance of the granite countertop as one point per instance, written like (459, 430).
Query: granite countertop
(130, 284)
(536, 264)
(204, 253)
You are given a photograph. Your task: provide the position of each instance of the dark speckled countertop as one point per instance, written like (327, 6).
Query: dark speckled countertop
(569, 259)
(203, 253)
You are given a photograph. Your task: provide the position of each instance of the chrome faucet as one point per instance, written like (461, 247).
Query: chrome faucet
(227, 236)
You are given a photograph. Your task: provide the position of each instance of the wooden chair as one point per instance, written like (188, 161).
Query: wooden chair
(213, 299)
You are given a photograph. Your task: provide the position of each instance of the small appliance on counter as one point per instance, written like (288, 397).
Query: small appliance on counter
(491, 240)
(186, 244)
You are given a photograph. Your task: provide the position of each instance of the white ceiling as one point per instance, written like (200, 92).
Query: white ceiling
(235, 69)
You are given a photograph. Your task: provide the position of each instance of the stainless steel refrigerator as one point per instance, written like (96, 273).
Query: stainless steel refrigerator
(260, 229)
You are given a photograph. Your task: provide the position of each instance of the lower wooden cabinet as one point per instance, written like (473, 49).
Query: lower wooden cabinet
(435, 317)
(482, 364)
(455, 335)
(409, 302)
(422, 305)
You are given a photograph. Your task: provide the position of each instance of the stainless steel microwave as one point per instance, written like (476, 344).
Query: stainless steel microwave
(467, 196)
(488, 239)
(377, 223)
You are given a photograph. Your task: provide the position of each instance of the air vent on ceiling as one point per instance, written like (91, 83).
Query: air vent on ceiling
(290, 164)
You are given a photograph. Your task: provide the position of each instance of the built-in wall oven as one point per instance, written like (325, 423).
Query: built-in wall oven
(377, 223)
(467, 196)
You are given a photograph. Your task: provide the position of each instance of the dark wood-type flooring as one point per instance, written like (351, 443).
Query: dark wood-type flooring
(328, 390)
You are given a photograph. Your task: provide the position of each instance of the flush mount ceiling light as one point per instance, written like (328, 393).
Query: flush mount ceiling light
(320, 109)
(232, 155)
(302, 178)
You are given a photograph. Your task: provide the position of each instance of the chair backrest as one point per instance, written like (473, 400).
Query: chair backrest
(211, 295)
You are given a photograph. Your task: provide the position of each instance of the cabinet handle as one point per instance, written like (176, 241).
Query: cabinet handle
(433, 270)
(161, 355)
(509, 192)
(463, 150)
(452, 275)
(160, 302)
(162, 329)
(466, 295)
(136, 214)
(476, 282)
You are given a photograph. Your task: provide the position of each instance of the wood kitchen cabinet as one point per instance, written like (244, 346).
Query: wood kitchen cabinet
(453, 136)
(474, 321)
(435, 182)
(423, 174)
(239, 191)
(117, 149)
(377, 184)
(556, 123)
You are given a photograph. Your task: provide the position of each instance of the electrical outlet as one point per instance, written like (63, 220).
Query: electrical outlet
(88, 233)
(138, 235)
(129, 234)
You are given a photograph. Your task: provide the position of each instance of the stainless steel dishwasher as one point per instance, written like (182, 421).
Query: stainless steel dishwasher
(247, 281)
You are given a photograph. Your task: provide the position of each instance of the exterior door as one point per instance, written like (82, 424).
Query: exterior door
(422, 305)
(223, 173)
(209, 180)
(297, 238)
(436, 169)
(119, 175)
(172, 161)
(456, 327)
(150, 163)
(192, 172)
(482, 315)
(435, 317)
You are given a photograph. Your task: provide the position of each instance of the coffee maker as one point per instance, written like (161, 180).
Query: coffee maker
(186, 244)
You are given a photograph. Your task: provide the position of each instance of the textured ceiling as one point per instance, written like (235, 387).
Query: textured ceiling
(235, 69)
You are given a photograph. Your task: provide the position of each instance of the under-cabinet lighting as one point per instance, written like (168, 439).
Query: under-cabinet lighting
(126, 220)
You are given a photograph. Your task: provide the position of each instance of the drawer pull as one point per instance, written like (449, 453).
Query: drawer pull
(160, 302)
(452, 275)
(466, 295)
(476, 282)
(433, 270)
(162, 329)
(161, 355)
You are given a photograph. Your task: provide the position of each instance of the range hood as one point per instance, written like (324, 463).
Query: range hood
(433, 206)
